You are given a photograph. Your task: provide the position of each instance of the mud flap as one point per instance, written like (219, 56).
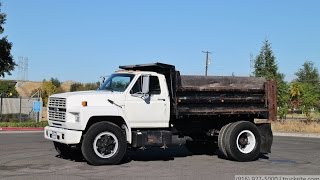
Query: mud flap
(266, 137)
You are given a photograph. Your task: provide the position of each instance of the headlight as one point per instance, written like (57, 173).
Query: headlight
(76, 116)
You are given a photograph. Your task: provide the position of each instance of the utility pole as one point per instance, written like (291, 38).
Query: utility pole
(251, 64)
(207, 61)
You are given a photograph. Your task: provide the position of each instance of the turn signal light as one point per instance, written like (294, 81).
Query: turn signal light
(84, 103)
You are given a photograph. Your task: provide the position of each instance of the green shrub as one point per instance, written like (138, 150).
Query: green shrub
(23, 124)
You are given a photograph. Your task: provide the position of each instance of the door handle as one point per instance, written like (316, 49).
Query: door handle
(160, 99)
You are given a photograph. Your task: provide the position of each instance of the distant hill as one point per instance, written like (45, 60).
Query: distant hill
(66, 86)
(25, 88)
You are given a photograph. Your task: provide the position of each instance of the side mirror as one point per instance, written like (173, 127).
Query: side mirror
(101, 82)
(145, 84)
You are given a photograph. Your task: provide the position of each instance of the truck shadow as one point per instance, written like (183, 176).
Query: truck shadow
(158, 154)
(149, 154)
(169, 154)
(74, 158)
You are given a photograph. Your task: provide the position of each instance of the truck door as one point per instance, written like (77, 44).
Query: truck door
(153, 111)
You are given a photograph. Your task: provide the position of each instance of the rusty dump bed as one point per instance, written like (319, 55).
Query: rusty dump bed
(226, 95)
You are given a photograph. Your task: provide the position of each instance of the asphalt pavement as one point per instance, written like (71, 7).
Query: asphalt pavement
(28, 155)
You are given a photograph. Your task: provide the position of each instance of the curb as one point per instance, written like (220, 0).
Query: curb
(20, 129)
(305, 135)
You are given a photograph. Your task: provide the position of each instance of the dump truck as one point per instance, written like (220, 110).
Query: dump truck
(152, 105)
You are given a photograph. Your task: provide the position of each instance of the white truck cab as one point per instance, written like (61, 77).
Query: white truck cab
(120, 98)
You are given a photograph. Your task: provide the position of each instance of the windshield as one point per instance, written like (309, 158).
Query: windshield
(117, 82)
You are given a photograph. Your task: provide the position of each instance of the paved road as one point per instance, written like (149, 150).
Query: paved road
(30, 156)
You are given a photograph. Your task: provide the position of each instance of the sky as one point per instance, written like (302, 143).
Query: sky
(82, 40)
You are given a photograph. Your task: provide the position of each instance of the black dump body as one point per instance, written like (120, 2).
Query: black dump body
(226, 95)
(216, 95)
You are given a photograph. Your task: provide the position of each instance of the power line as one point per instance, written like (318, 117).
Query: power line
(207, 61)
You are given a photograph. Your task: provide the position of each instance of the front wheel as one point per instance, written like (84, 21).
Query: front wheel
(104, 144)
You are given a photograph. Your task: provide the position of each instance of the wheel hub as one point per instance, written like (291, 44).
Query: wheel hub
(105, 145)
(243, 140)
(246, 141)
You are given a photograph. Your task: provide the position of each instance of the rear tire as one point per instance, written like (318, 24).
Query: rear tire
(104, 144)
(242, 141)
(221, 137)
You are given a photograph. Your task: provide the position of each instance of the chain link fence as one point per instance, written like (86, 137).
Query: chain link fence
(18, 109)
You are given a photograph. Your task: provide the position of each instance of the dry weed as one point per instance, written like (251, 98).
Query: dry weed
(296, 126)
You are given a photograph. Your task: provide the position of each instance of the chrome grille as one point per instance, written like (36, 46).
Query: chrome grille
(57, 109)
(57, 102)
(56, 115)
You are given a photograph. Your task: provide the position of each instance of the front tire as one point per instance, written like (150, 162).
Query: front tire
(104, 144)
(242, 141)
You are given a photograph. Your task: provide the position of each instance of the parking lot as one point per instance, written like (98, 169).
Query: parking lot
(30, 156)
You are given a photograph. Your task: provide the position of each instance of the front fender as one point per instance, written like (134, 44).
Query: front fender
(88, 112)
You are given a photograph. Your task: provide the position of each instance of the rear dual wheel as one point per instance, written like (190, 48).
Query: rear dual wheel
(240, 141)
(221, 138)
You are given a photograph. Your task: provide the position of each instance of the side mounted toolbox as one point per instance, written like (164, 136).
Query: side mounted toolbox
(151, 138)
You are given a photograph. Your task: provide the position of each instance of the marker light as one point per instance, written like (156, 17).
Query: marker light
(84, 103)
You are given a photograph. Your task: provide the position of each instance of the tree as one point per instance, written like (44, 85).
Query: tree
(56, 82)
(265, 66)
(265, 63)
(84, 87)
(6, 60)
(7, 89)
(309, 99)
(47, 89)
(283, 97)
(308, 73)
(304, 96)
(305, 90)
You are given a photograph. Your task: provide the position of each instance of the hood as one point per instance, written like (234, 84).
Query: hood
(93, 98)
(82, 93)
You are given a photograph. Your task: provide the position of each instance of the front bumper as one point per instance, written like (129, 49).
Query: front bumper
(64, 136)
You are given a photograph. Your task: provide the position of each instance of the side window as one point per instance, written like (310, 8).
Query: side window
(154, 86)
(137, 87)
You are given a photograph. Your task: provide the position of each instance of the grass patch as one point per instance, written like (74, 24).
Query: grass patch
(295, 116)
(24, 124)
(296, 126)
